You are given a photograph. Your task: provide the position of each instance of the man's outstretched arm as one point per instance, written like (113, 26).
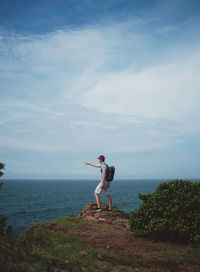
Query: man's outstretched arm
(93, 164)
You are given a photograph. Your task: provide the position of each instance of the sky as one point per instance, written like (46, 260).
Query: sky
(82, 78)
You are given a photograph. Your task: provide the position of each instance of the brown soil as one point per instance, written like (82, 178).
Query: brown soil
(120, 240)
(110, 231)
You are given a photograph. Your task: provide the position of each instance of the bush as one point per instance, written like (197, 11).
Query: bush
(172, 213)
(3, 229)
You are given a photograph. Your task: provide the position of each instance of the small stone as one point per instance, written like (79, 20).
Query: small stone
(102, 219)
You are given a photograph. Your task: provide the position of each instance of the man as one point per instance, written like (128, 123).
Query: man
(104, 184)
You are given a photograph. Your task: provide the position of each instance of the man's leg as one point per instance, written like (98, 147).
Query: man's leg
(97, 199)
(96, 194)
(109, 201)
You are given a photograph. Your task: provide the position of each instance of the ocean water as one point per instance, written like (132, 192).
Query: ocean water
(25, 202)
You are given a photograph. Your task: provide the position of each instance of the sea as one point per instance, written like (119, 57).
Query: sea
(25, 202)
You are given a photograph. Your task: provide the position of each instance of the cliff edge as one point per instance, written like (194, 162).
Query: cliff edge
(116, 216)
(92, 241)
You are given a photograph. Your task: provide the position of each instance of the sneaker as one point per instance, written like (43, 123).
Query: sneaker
(97, 209)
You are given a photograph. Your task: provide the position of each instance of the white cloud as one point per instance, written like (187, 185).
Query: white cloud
(168, 92)
(103, 88)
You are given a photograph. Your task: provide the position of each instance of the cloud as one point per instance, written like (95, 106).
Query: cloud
(168, 92)
(102, 88)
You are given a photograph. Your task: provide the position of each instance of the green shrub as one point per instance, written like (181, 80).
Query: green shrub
(3, 229)
(171, 213)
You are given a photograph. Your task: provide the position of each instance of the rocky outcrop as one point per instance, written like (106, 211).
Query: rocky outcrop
(116, 216)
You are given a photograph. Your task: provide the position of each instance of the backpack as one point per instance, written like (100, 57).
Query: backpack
(110, 172)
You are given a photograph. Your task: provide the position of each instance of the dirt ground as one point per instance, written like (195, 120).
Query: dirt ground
(121, 241)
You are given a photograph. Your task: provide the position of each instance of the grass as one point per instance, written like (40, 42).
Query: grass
(189, 256)
(51, 250)
(43, 247)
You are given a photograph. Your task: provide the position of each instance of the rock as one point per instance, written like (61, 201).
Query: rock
(116, 217)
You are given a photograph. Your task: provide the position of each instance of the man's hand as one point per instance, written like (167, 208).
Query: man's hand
(93, 164)
(101, 186)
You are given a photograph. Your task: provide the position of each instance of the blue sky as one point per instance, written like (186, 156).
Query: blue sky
(84, 78)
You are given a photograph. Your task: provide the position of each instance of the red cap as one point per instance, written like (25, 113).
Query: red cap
(101, 157)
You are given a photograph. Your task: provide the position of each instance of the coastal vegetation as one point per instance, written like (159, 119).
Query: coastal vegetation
(2, 166)
(3, 229)
(104, 241)
(74, 244)
(171, 213)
